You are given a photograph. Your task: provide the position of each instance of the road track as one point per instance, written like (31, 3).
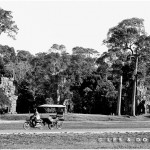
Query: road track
(104, 127)
(67, 131)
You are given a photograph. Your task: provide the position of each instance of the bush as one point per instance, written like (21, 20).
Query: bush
(3, 110)
(4, 100)
(14, 116)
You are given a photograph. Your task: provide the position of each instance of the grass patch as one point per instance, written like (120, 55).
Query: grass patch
(80, 117)
(75, 141)
(14, 116)
(82, 125)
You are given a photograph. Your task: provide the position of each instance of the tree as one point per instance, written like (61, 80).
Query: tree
(78, 75)
(8, 54)
(56, 48)
(4, 100)
(129, 36)
(87, 52)
(79, 68)
(2, 68)
(21, 69)
(25, 102)
(108, 69)
(23, 55)
(7, 25)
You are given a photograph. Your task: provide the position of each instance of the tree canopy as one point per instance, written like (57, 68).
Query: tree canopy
(86, 80)
(7, 25)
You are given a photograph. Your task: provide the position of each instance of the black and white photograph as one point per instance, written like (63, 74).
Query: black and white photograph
(74, 74)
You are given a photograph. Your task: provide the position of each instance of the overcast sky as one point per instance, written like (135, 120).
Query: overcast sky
(71, 23)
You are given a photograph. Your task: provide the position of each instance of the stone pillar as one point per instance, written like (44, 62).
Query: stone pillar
(13, 100)
(9, 89)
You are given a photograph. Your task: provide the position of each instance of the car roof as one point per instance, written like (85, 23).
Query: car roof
(52, 106)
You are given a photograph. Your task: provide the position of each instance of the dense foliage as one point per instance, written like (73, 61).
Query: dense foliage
(88, 81)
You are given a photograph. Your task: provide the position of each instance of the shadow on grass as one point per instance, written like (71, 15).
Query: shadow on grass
(147, 116)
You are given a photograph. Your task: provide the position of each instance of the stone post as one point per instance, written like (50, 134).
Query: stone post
(9, 89)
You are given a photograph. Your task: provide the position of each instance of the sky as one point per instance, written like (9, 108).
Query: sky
(43, 23)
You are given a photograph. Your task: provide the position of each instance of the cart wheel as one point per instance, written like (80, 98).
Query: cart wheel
(59, 124)
(51, 126)
(26, 126)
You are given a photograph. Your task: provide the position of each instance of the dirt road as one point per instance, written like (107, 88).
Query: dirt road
(16, 127)
(38, 131)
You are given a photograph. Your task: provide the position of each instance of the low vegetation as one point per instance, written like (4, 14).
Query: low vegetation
(75, 141)
(66, 140)
(80, 117)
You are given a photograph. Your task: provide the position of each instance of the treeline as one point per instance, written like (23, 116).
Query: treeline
(54, 75)
(117, 82)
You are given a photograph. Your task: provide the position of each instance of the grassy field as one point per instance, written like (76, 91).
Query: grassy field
(75, 141)
(78, 140)
(80, 117)
(82, 125)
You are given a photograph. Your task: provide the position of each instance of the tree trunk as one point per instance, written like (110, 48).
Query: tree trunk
(58, 95)
(134, 89)
(119, 98)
